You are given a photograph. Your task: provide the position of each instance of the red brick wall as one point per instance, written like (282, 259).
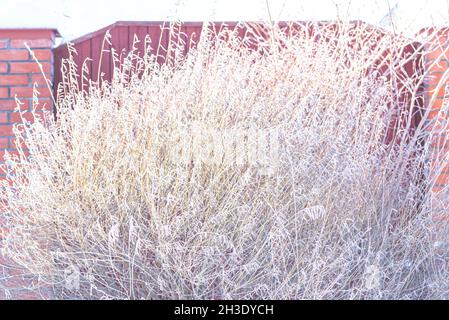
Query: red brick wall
(19, 73)
(436, 59)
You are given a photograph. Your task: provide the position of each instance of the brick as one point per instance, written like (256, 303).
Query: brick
(437, 152)
(13, 80)
(3, 67)
(32, 43)
(437, 114)
(11, 152)
(439, 140)
(42, 104)
(10, 104)
(3, 93)
(15, 143)
(9, 183)
(43, 54)
(28, 67)
(4, 143)
(39, 79)
(441, 92)
(436, 66)
(438, 103)
(438, 167)
(438, 53)
(14, 55)
(437, 189)
(16, 117)
(27, 33)
(433, 79)
(3, 117)
(27, 92)
(6, 130)
(442, 179)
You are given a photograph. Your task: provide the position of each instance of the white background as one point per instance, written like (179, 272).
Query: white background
(74, 18)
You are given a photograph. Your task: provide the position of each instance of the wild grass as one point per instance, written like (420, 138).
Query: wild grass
(232, 172)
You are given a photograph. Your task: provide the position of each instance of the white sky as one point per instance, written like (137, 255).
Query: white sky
(74, 18)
